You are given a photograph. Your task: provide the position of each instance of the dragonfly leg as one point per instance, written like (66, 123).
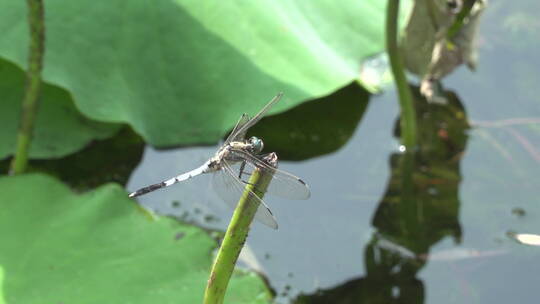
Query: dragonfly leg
(241, 171)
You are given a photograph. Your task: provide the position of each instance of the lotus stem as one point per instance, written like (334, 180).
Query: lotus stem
(408, 116)
(236, 234)
(460, 19)
(33, 82)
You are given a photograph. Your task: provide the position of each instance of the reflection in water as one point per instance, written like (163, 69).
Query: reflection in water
(525, 238)
(420, 207)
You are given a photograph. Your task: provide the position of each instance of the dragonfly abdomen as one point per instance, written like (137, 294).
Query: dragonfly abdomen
(147, 189)
(180, 178)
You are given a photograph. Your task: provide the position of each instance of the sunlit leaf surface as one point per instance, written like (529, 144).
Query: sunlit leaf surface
(62, 247)
(182, 72)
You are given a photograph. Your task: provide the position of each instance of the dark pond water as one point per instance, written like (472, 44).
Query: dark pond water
(434, 226)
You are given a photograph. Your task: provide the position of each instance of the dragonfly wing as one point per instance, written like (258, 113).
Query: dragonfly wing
(256, 118)
(283, 184)
(234, 135)
(229, 187)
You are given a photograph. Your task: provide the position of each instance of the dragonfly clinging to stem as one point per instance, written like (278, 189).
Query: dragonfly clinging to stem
(230, 183)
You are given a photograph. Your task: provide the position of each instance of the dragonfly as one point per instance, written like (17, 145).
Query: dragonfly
(235, 160)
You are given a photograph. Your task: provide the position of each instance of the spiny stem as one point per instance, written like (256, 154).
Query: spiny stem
(33, 82)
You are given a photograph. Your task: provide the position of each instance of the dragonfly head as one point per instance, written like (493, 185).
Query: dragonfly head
(256, 144)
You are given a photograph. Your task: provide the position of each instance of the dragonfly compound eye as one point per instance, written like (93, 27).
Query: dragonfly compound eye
(257, 144)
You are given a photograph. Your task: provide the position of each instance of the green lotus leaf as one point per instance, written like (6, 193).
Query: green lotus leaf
(59, 129)
(96, 247)
(182, 72)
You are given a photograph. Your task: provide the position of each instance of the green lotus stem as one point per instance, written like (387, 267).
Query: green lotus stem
(33, 82)
(460, 19)
(408, 116)
(236, 235)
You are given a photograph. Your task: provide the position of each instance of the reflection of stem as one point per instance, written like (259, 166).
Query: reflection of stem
(409, 207)
(236, 235)
(33, 75)
(526, 144)
(505, 122)
(408, 119)
(502, 150)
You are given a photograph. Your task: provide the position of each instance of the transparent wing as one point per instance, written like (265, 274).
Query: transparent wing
(230, 189)
(244, 128)
(283, 184)
(235, 136)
